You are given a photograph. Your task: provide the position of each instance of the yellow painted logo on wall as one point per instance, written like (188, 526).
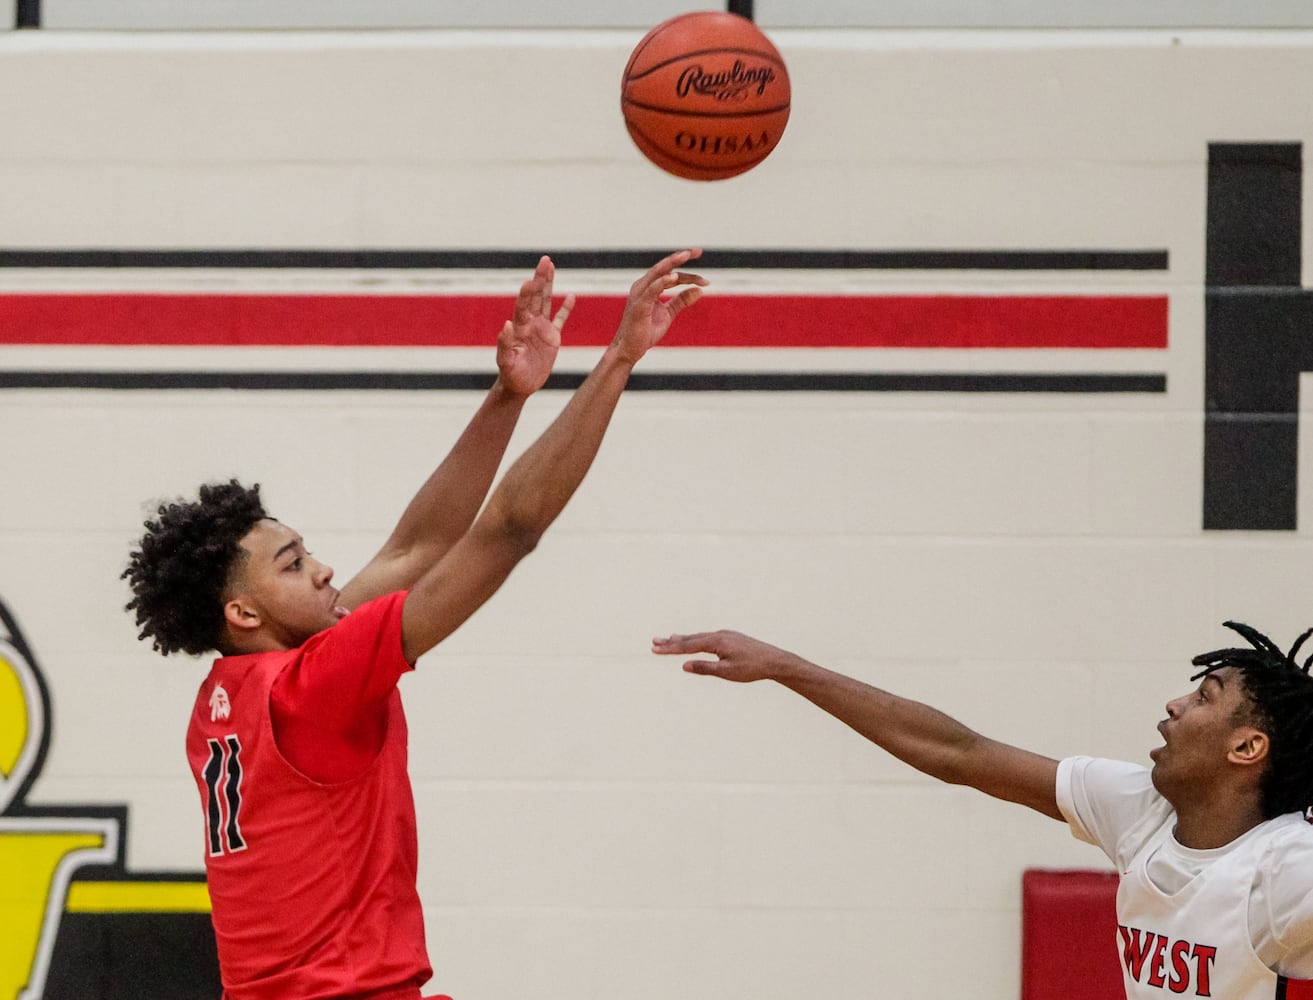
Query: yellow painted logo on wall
(42, 849)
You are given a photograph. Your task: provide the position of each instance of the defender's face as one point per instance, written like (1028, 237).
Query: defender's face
(1201, 728)
(288, 589)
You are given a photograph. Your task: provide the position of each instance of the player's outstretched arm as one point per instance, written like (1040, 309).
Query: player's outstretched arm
(541, 481)
(917, 734)
(446, 505)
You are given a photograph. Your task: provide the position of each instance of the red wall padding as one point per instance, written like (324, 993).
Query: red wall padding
(1069, 936)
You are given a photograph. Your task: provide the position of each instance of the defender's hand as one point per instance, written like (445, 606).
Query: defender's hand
(739, 657)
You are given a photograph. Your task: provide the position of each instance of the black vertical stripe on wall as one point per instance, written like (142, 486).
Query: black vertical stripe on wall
(743, 8)
(1253, 214)
(1258, 336)
(28, 14)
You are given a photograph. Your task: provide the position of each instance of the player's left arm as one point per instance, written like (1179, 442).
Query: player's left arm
(329, 706)
(446, 505)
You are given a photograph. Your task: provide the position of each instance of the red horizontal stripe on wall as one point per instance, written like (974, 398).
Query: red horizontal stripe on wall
(959, 321)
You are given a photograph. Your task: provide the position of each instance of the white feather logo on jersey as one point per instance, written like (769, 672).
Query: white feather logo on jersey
(219, 706)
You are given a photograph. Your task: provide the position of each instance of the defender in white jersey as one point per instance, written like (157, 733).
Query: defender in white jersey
(1215, 854)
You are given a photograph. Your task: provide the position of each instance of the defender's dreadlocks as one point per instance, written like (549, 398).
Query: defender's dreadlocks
(1281, 694)
(185, 562)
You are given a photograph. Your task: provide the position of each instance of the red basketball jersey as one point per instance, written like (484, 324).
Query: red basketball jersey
(312, 885)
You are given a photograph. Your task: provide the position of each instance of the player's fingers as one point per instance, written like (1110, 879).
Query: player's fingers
(674, 260)
(544, 274)
(689, 278)
(667, 282)
(536, 293)
(683, 300)
(536, 299)
(653, 282)
(525, 302)
(662, 268)
(563, 313)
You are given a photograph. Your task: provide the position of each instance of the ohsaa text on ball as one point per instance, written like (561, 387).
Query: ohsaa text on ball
(722, 144)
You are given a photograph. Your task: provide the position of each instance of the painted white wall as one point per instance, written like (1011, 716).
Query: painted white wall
(238, 14)
(595, 824)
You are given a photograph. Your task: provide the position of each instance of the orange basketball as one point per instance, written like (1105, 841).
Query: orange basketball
(705, 95)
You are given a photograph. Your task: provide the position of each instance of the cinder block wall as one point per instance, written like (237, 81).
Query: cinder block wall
(594, 823)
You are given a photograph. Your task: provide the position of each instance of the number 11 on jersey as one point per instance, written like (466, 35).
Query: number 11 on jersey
(223, 784)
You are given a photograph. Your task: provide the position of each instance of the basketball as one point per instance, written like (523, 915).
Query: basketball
(705, 95)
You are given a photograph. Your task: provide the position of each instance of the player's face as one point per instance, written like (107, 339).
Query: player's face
(1201, 728)
(290, 590)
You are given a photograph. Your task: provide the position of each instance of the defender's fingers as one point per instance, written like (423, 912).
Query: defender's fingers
(707, 668)
(698, 642)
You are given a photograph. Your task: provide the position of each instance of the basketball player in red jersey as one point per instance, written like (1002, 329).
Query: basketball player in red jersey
(1216, 858)
(297, 740)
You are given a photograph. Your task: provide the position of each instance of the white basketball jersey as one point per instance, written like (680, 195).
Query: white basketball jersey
(1195, 942)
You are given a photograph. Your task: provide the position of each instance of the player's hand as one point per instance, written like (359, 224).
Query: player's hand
(647, 315)
(527, 346)
(739, 657)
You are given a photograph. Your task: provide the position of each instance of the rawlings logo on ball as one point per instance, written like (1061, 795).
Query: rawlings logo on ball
(731, 85)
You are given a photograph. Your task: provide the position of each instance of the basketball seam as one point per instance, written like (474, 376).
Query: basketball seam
(647, 40)
(684, 113)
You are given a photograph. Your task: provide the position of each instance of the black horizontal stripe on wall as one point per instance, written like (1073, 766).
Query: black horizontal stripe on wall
(785, 259)
(639, 382)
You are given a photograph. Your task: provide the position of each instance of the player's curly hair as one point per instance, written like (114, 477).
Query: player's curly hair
(185, 562)
(1281, 698)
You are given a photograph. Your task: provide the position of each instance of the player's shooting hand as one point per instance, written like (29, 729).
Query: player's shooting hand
(647, 315)
(527, 346)
(738, 657)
